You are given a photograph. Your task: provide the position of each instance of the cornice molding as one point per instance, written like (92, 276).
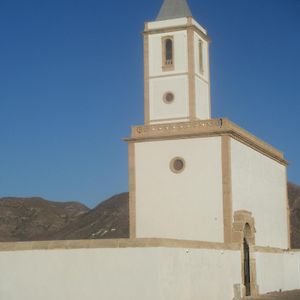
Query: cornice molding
(115, 243)
(177, 28)
(204, 128)
(130, 243)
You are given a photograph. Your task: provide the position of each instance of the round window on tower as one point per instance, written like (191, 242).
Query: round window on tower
(177, 165)
(169, 97)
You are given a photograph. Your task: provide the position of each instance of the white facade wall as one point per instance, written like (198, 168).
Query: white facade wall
(259, 186)
(176, 80)
(202, 99)
(179, 108)
(205, 57)
(185, 206)
(203, 105)
(160, 82)
(277, 271)
(122, 273)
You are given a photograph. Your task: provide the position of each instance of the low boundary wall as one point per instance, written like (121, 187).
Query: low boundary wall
(145, 269)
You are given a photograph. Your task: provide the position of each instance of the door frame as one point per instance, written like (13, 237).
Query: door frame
(244, 229)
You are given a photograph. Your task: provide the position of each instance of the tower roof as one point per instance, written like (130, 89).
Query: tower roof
(172, 9)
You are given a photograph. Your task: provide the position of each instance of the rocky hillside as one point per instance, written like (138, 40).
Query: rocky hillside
(294, 201)
(24, 219)
(38, 219)
(110, 219)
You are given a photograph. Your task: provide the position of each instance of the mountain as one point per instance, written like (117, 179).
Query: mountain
(23, 219)
(294, 202)
(110, 219)
(36, 219)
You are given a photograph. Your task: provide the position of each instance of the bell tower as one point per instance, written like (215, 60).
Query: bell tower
(189, 174)
(176, 60)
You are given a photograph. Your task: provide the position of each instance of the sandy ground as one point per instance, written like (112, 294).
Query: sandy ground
(292, 295)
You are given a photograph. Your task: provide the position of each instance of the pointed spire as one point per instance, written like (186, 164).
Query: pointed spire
(172, 9)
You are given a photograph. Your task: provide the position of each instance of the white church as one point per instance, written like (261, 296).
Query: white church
(209, 215)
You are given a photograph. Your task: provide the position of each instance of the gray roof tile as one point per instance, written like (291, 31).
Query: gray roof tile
(172, 9)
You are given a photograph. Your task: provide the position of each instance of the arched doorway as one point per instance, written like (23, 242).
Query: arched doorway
(243, 233)
(247, 264)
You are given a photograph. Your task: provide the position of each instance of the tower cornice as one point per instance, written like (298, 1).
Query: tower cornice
(204, 128)
(175, 25)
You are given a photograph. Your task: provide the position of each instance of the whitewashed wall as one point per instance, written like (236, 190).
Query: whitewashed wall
(185, 206)
(114, 274)
(259, 186)
(202, 99)
(203, 110)
(179, 108)
(176, 81)
(178, 84)
(277, 271)
(205, 57)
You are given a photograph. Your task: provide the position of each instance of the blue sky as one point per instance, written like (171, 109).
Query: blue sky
(71, 85)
